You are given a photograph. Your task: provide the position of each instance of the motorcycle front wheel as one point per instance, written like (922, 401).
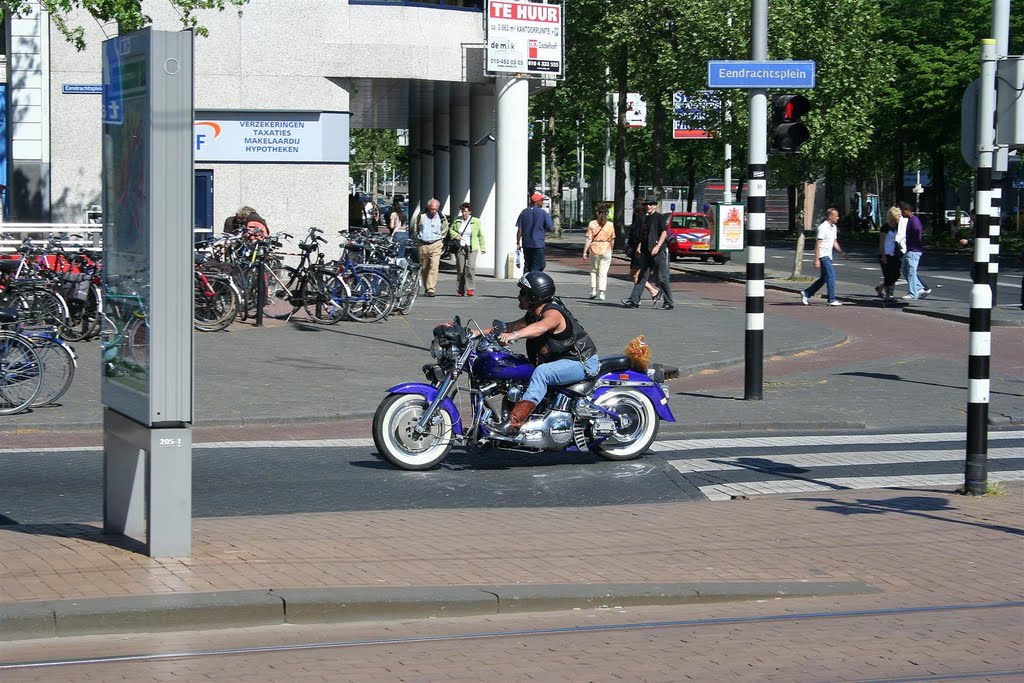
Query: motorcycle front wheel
(393, 425)
(639, 426)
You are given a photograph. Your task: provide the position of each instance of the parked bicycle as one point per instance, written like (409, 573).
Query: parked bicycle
(21, 371)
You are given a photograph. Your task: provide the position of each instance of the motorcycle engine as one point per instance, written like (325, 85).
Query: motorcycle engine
(552, 431)
(502, 399)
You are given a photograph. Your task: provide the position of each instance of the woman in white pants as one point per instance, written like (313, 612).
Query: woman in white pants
(598, 248)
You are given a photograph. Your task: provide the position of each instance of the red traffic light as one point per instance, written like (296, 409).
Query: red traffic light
(789, 108)
(788, 132)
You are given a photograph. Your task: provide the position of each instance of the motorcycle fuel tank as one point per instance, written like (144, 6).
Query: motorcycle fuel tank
(501, 365)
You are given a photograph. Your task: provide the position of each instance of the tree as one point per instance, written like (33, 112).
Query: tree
(373, 149)
(127, 13)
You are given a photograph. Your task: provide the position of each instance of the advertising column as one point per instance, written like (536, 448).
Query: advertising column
(146, 384)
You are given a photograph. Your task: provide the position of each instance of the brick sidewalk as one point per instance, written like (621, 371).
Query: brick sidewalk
(920, 547)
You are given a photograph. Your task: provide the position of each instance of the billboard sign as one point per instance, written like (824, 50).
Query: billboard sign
(729, 220)
(278, 137)
(525, 39)
(696, 115)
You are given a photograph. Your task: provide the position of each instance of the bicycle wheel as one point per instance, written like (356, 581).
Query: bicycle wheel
(373, 297)
(216, 304)
(407, 297)
(84, 316)
(58, 368)
(136, 343)
(38, 307)
(327, 297)
(21, 374)
(280, 285)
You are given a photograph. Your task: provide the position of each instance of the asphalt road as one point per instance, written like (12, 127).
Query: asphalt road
(245, 479)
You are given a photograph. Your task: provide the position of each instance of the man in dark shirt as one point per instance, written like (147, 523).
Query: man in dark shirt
(654, 258)
(531, 225)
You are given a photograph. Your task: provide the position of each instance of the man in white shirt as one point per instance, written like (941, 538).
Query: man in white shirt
(431, 229)
(828, 237)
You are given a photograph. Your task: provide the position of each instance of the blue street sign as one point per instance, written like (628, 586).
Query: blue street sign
(781, 75)
(81, 89)
(113, 108)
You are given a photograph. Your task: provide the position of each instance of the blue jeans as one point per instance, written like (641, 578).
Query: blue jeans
(533, 259)
(827, 277)
(914, 284)
(401, 239)
(563, 371)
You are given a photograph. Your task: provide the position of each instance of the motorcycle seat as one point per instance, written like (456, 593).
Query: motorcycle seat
(613, 363)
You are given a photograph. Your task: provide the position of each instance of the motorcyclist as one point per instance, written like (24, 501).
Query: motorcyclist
(556, 343)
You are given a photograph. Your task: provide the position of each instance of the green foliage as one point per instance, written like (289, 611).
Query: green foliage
(127, 13)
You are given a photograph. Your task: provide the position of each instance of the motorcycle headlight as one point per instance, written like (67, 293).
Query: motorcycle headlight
(436, 352)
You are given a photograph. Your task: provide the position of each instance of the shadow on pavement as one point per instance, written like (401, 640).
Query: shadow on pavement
(82, 532)
(916, 506)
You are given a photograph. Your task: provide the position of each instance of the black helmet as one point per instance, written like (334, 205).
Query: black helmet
(538, 287)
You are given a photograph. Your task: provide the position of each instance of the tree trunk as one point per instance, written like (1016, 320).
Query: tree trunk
(691, 181)
(805, 221)
(791, 208)
(658, 152)
(622, 69)
(556, 180)
(938, 193)
(897, 184)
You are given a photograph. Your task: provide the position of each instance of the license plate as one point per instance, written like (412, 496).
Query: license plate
(700, 246)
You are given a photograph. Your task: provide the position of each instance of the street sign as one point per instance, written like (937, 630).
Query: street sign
(786, 75)
(113, 106)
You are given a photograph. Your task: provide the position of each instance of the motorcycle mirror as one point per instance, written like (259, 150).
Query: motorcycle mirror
(458, 321)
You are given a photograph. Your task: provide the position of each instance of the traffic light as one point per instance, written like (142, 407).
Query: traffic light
(788, 133)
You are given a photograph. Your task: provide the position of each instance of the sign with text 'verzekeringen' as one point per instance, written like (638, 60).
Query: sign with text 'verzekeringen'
(787, 75)
(524, 38)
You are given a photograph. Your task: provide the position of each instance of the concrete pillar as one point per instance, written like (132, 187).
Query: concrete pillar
(482, 155)
(460, 189)
(426, 150)
(513, 100)
(442, 147)
(414, 166)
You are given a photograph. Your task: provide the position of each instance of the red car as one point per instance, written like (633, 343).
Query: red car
(691, 234)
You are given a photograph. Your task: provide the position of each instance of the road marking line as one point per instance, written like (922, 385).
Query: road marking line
(727, 491)
(774, 462)
(1002, 282)
(821, 440)
(658, 447)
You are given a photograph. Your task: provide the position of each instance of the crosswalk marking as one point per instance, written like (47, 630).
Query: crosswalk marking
(1002, 281)
(785, 461)
(727, 491)
(821, 440)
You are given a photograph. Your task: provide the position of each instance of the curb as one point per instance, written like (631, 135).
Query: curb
(236, 609)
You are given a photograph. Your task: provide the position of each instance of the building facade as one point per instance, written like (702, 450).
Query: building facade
(261, 71)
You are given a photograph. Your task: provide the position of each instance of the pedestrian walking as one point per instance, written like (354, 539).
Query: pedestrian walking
(598, 249)
(654, 254)
(531, 225)
(890, 254)
(430, 233)
(826, 240)
(398, 223)
(914, 250)
(468, 230)
(635, 255)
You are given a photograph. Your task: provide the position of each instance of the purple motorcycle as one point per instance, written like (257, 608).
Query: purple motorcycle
(616, 415)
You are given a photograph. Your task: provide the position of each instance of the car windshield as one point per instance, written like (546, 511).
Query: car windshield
(688, 222)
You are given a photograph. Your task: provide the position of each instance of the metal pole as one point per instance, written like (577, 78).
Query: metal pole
(1000, 159)
(757, 191)
(543, 155)
(976, 470)
(727, 114)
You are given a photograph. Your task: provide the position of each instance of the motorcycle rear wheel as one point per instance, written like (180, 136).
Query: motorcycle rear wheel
(392, 433)
(633, 439)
